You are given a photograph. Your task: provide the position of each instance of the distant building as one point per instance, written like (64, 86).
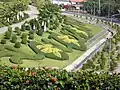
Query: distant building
(62, 2)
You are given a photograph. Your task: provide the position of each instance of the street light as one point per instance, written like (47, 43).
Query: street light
(99, 7)
(94, 8)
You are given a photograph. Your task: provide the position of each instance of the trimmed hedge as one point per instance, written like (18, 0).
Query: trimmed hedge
(17, 45)
(14, 39)
(1, 47)
(54, 36)
(16, 60)
(32, 45)
(7, 34)
(10, 48)
(79, 35)
(3, 41)
(6, 53)
(64, 56)
(58, 45)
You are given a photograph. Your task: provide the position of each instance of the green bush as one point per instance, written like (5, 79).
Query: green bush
(24, 35)
(18, 32)
(17, 44)
(40, 32)
(17, 28)
(16, 60)
(7, 34)
(31, 32)
(31, 36)
(14, 39)
(10, 29)
(24, 41)
(3, 41)
(23, 27)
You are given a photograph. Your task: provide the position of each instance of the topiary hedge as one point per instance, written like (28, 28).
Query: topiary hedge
(17, 44)
(1, 47)
(64, 56)
(32, 45)
(14, 39)
(16, 60)
(52, 52)
(10, 48)
(7, 35)
(57, 44)
(3, 41)
(71, 45)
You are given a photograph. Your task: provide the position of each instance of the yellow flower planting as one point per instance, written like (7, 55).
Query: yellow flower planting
(66, 38)
(79, 31)
(48, 48)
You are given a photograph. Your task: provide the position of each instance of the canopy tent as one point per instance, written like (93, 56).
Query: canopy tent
(78, 0)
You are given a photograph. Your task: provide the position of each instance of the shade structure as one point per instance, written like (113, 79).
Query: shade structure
(78, 0)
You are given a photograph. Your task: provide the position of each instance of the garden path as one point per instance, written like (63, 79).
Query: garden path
(32, 12)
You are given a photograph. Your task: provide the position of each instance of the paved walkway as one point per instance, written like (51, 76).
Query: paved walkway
(32, 12)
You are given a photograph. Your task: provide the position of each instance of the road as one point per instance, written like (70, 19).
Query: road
(32, 12)
(102, 18)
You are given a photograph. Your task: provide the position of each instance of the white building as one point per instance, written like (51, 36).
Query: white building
(59, 2)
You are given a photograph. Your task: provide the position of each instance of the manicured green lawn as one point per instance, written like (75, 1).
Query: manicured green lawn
(95, 28)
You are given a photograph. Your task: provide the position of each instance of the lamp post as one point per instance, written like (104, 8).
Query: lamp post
(99, 8)
(94, 9)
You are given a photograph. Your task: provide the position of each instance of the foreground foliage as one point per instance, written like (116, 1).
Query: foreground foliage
(19, 78)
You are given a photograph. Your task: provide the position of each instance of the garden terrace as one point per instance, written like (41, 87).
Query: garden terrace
(25, 36)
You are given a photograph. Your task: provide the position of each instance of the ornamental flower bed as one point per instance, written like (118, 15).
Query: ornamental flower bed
(55, 79)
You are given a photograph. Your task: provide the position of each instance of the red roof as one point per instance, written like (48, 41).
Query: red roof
(78, 0)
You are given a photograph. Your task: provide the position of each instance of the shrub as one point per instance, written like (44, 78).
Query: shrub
(7, 34)
(24, 41)
(40, 32)
(10, 29)
(31, 32)
(16, 60)
(24, 35)
(17, 44)
(3, 41)
(31, 36)
(14, 39)
(18, 32)
(17, 28)
(23, 27)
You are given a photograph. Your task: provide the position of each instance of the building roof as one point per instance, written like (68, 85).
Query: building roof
(78, 0)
